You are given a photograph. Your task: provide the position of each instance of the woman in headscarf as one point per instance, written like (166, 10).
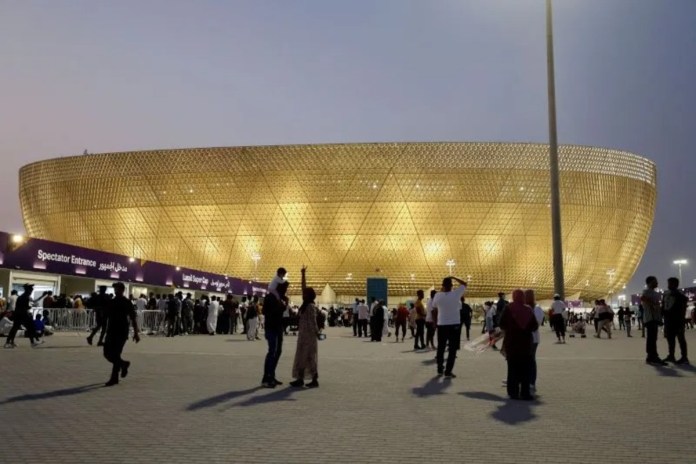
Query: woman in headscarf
(519, 324)
(530, 300)
(307, 352)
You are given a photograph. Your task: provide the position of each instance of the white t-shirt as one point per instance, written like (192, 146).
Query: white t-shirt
(539, 315)
(558, 307)
(140, 304)
(272, 287)
(429, 311)
(448, 305)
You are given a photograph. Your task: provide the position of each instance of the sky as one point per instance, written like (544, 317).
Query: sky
(135, 75)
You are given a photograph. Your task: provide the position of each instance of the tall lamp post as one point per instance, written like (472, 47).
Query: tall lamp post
(256, 258)
(556, 237)
(450, 264)
(680, 263)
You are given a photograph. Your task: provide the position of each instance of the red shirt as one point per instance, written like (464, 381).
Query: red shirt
(402, 315)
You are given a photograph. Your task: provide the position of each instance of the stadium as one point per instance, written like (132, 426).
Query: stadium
(409, 212)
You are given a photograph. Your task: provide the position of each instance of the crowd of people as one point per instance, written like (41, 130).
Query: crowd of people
(438, 324)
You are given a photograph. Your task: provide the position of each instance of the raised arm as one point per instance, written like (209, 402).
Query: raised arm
(304, 278)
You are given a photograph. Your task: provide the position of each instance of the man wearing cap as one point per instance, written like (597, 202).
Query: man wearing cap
(98, 304)
(558, 319)
(22, 316)
(118, 312)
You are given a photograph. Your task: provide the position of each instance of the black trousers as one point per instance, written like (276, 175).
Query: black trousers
(100, 325)
(447, 336)
(419, 341)
(402, 325)
(362, 328)
(651, 340)
(430, 328)
(558, 325)
(274, 337)
(356, 323)
(519, 375)
(467, 326)
(28, 324)
(377, 327)
(113, 347)
(675, 331)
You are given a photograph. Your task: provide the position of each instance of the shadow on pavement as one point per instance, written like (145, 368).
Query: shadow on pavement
(237, 340)
(666, 371)
(435, 386)
(52, 394)
(215, 400)
(686, 368)
(279, 394)
(511, 412)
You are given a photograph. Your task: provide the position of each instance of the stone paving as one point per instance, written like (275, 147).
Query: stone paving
(197, 399)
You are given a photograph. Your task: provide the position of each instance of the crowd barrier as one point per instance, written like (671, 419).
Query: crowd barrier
(69, 319)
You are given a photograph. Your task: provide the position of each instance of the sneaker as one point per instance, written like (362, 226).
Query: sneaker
(277, 382)
(440, 373)
(111, 383)
(669, 359)
(655, 362)
(683, 361)
(37, 343)
(268, 384)
(124, 369)
(89, 340)
(297, 383)
(10, 345)
(313, 384)
(451, 375)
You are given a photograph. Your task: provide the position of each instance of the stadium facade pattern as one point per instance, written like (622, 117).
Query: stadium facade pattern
(350, 211)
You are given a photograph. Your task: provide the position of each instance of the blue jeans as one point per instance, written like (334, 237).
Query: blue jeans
(274, 337)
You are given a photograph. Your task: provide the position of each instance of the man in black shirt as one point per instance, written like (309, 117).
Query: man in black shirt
(273, 309)
(674, 304)
(22, 316)
(120, 309)
(98, 304)
(465, 316)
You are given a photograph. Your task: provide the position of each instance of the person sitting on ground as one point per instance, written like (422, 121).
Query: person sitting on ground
(579, 328)
(39, 326)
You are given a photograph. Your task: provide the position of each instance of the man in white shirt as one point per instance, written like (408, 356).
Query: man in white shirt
(363, 315)
(448, 305)
(558, 320)
(140, 305)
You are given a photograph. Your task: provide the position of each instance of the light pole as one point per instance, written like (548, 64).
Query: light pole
(680, 263)
(450, 264)
(256, 257)
(611, 273)
(556, 237)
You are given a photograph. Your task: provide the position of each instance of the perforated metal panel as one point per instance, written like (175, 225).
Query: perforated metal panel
(400, 210)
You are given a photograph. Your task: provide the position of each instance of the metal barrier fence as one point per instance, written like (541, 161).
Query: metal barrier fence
(68, 319)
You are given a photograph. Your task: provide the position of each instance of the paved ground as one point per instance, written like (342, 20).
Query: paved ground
(196, 399)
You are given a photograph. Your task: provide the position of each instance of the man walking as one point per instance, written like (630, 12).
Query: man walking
(465, 316)
(652, 318)
(674, 304)
(119, 311)
(558, 319)
(448, 305)
(419, 340)
(355, 317)
(22, 316)
(98, 305)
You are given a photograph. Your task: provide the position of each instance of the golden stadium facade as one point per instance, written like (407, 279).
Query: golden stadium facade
(350, 211)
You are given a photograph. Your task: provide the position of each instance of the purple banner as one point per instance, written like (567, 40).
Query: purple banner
(32, 254)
